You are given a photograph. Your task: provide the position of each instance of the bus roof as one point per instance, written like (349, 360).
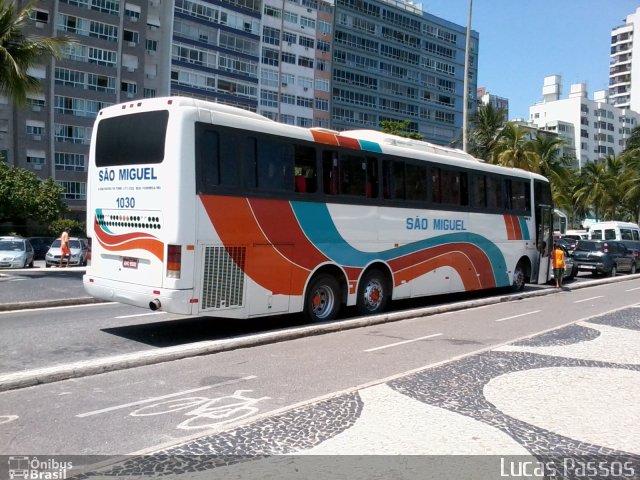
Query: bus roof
(395, 144)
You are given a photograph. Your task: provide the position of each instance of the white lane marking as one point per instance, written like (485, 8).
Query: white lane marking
(44, 309)
(517, 316)
(587, 299)
(141, 315)
(632, 289)
(402, 343)
(171, 395)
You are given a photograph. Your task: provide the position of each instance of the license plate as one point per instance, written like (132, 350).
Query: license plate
(128, 262)
(590, 267)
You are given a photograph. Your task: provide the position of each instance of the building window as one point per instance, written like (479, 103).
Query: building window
(271, 35)
(270, 57)
(268, 98)
(71, 162)
(151, 46)
(129, 88)
(73, 190)
(40, 16)
(289, 38)
(131, 36)
(290, 17)
(305, 62)
(149, 92)
(287, 57)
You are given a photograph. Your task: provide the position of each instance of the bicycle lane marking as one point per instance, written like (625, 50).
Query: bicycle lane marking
(171, 395)
(206, 412)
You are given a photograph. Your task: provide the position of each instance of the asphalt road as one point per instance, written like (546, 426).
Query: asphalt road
(273, 377)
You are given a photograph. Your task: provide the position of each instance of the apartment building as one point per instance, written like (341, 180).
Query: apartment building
(392, 61)
(624, 69)
(496, 102)
(592, 127)
(310, 63)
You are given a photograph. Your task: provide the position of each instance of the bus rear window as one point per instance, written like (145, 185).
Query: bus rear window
(138, 138)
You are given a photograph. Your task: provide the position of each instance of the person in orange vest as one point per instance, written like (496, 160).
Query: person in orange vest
(558, 264)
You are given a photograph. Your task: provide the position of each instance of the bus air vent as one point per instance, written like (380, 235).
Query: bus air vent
(223, 278)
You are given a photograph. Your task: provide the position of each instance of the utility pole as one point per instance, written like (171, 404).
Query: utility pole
(465, 96)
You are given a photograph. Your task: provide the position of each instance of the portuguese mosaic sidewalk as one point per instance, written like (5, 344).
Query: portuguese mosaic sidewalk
(568, 396)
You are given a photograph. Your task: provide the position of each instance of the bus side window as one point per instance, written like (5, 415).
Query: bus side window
(478, 193)
(494, 192)
(450, 187)
(416, 182)
(352, 175)
(372, 177)
(207, 161)
(392, 180)
(275, 165)
(305, 170)
(228, 159)
(436, 186)
(330, 172)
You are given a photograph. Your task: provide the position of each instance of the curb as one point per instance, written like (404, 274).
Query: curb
(62, 302)
(16, 380)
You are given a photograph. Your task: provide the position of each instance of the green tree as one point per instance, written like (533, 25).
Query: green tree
(487, 124)
(399, 128)
(554, 167)
(591, 188)
(18, 53)
(515, 150)
(23, 196)
(76, 229)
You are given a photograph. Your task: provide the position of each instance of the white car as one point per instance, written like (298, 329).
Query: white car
(78, 256)
(16, 252)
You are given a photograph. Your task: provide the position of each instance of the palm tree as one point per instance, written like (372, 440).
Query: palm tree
(488, 124)
(554, 167)
(631, 182)
(514, 150)
(591, 189)
(18, 53)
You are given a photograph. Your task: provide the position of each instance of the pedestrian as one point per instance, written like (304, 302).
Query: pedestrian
(558, 264)
(65, 251)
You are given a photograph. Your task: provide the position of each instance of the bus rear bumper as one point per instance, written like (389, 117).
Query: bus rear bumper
(170, 300)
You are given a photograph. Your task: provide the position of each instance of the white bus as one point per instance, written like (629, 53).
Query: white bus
(560, 221)
(205, 209)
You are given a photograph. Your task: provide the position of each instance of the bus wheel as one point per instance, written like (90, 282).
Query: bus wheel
(373, 293)
(322, 301)
(518, 281)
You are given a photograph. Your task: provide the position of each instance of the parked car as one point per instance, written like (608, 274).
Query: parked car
(78, 249)
(604, 257)
(570, 268)
(569, 244)
(634, 246)
(16, 252)
(40, 246)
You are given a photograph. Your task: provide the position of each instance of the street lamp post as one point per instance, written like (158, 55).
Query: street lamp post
(465, 97)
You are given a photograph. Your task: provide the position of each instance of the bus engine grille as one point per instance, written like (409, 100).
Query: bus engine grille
(223, 279)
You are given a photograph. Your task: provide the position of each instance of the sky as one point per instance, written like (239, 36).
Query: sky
(523, 41)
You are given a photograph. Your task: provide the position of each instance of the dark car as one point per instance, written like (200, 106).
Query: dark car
(634, 246)
(41, 246)
(605, 257)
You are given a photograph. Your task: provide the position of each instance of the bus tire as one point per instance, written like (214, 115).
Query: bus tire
(373, 293)
(322, 301)
(518, 279)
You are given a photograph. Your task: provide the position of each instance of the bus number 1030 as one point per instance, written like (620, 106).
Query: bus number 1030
(126, 202)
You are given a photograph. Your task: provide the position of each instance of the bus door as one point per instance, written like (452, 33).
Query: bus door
(544, 244)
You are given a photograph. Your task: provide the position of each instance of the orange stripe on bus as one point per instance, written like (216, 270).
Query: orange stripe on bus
(236, 225)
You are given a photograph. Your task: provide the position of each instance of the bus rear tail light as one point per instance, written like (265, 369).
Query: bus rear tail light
(174, 261)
